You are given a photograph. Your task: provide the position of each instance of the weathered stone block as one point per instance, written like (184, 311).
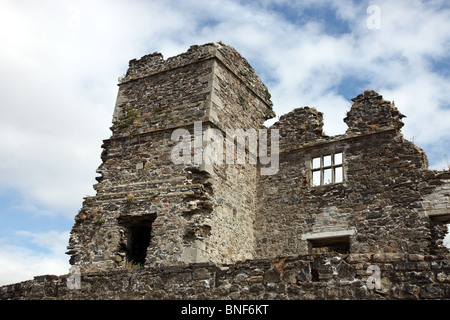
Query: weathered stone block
(272, 275)
(304, 274)
(415, 257)
(388, 257)
(353, 258)
(201, 274)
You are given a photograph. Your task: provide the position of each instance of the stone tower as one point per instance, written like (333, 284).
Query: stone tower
(149, 210)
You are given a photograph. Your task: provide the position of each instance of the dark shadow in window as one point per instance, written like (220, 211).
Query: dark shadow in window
(137, 237)
(331, 244)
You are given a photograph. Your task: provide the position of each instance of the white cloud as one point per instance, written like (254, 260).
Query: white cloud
(20, 263)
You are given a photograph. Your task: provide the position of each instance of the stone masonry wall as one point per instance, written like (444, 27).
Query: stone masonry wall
(140, 183)
(436, 206)
(377, 205)
(239, 101)
(160, 230)
(299, 127)
(402, 276)
(164, 100)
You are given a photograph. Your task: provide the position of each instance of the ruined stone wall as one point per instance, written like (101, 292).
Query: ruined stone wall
(139, 184)
(232, 235)
(210, 82)
(299, 127)
(377, 206)
(164, 99)
(436, 206)
(239, 101)
(401, 276)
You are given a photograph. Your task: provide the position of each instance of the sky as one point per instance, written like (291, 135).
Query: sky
(60, 61)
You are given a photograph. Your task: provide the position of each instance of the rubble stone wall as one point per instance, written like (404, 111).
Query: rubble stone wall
(395, 276)
(378, 203)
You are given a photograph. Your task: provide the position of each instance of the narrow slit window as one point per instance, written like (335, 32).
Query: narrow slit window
(327, 169)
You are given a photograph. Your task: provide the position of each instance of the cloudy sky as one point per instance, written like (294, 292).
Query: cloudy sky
(60, 60)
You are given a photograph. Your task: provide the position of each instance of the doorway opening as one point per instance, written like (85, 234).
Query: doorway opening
(137, 237)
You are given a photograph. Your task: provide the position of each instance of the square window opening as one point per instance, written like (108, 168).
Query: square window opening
(327, 169)
(330, 245)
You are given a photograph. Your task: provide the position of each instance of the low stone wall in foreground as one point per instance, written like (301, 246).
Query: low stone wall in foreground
(356, 276)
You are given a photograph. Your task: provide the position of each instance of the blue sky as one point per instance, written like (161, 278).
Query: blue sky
(60, 61)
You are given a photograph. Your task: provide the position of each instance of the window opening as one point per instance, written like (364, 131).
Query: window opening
(139, 240)
(332, 244)
(137, 237)
(447, 237)
(327, 169)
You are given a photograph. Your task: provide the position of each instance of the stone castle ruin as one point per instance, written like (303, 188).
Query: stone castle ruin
(336, 206)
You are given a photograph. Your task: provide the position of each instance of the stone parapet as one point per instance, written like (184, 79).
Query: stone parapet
(354, 276)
